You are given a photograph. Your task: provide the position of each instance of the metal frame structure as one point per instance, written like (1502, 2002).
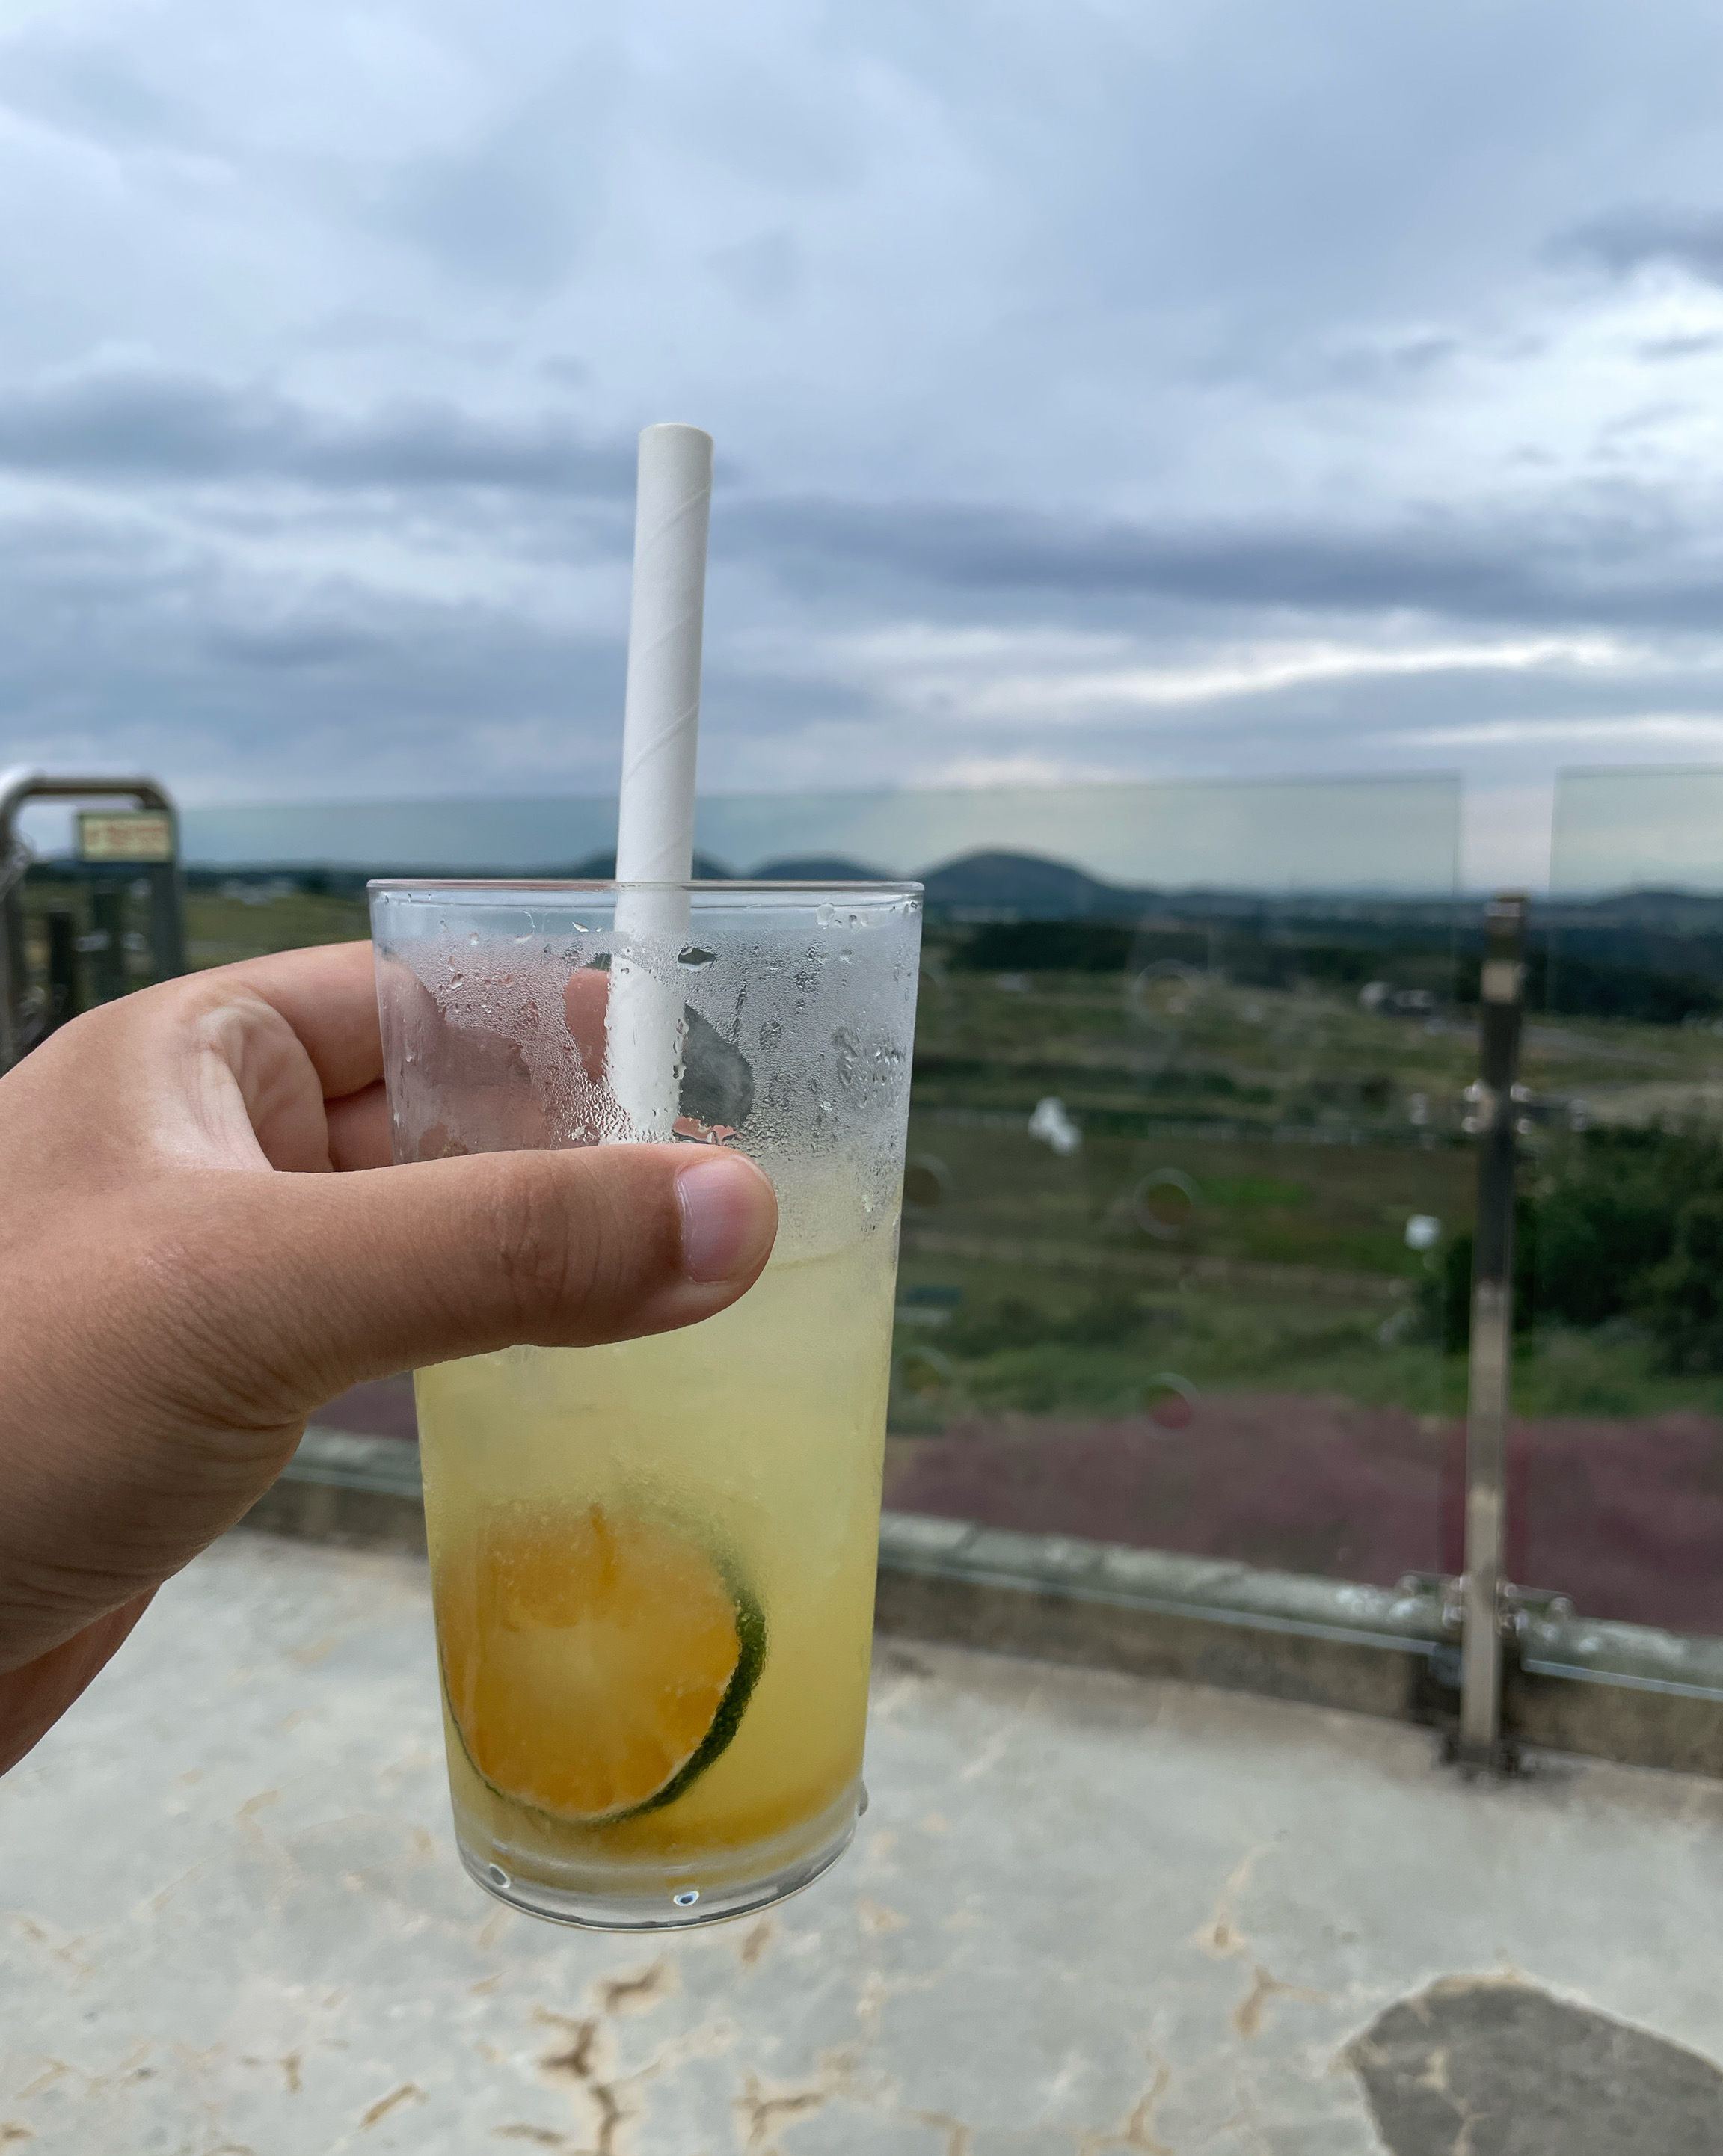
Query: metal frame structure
(20, 1027)
(1486, 1599)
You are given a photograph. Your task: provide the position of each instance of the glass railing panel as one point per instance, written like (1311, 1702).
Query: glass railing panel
(1617, 1452)
(1182, 1168)
(1186, 1155)
(1245, 836)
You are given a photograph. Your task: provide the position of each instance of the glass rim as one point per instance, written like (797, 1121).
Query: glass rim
(503, 887)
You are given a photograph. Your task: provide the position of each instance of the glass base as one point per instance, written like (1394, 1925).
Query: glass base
(673, 1903)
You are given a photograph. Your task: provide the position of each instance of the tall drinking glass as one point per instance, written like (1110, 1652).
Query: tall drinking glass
(653, 1564)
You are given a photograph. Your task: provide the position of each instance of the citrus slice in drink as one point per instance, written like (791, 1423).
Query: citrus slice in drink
(597, 1663)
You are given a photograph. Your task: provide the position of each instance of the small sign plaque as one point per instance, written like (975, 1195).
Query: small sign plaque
(129, 835)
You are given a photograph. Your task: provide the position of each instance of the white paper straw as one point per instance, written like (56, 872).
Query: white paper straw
(654, 841)
(655, 833)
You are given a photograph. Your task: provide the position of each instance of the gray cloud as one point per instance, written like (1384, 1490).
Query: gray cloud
(142, 425)
(1631, 238)
(1696, 344)
(1620, 563)
(512, 205)
(121, 650)
(763, 272)
(93, 92)
(137, 652)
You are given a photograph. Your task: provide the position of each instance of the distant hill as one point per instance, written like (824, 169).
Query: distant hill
(1672, 911)
(819, 868)
(1678, 933)
(993, 886)
(1649, 955)
(601, 868)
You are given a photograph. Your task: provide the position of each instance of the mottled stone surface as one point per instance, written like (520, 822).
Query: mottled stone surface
(1449, 2074)
(1086, 1913)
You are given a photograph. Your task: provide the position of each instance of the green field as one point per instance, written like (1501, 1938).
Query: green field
(1247, 1143)
(219, 930)
(1234, 1217)
(221, 926)
(1237, 1213)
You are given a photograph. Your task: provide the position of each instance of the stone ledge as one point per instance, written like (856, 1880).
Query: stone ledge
(1619, 1691)
(384, 1465)
(1159, 1581)
(1153, 1613)
(342, 1488)
(1597, 1651)
(1608, 1689)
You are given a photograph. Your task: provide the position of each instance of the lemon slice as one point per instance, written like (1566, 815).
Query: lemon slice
(596, 1665)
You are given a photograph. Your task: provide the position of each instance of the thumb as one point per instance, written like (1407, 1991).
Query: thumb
(223, 1306)
(380, 1270)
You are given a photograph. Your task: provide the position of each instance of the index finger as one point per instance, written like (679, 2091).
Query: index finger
(328, 995)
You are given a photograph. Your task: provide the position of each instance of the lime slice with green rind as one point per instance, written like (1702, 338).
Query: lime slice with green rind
(596, 1663)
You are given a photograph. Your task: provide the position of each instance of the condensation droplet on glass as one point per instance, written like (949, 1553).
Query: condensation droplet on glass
(474, 939)
(694, 956)
(771, 1033)
(826, 916)
(845, 956)
(686, 1899)
(495, 1874)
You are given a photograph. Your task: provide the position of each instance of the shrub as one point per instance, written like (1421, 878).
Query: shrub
(1682, 1298)
(1630, 1225)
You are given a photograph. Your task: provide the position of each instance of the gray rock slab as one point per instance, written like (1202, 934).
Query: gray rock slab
(1087, 1912)
(1446, 2074)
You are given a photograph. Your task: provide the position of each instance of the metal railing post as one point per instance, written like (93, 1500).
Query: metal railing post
(167, 932)
(1501, 1004)
(62, 969)
(15, 1033)
(107, 945)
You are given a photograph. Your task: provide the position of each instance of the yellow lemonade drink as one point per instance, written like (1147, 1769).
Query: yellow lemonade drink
(653, 1564)
(654, 1569)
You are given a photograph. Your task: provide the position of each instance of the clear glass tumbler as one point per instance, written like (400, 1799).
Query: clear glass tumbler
(653, 1564)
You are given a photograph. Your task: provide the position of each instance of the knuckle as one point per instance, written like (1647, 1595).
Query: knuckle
(540, 1259)
(579, 1244)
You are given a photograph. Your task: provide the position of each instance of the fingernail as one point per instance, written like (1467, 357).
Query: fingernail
(728, 1216)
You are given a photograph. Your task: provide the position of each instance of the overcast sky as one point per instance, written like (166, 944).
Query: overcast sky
(1101, 387)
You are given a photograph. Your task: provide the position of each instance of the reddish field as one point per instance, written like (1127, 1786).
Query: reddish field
(1273, 1479)
(1625, 1517)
